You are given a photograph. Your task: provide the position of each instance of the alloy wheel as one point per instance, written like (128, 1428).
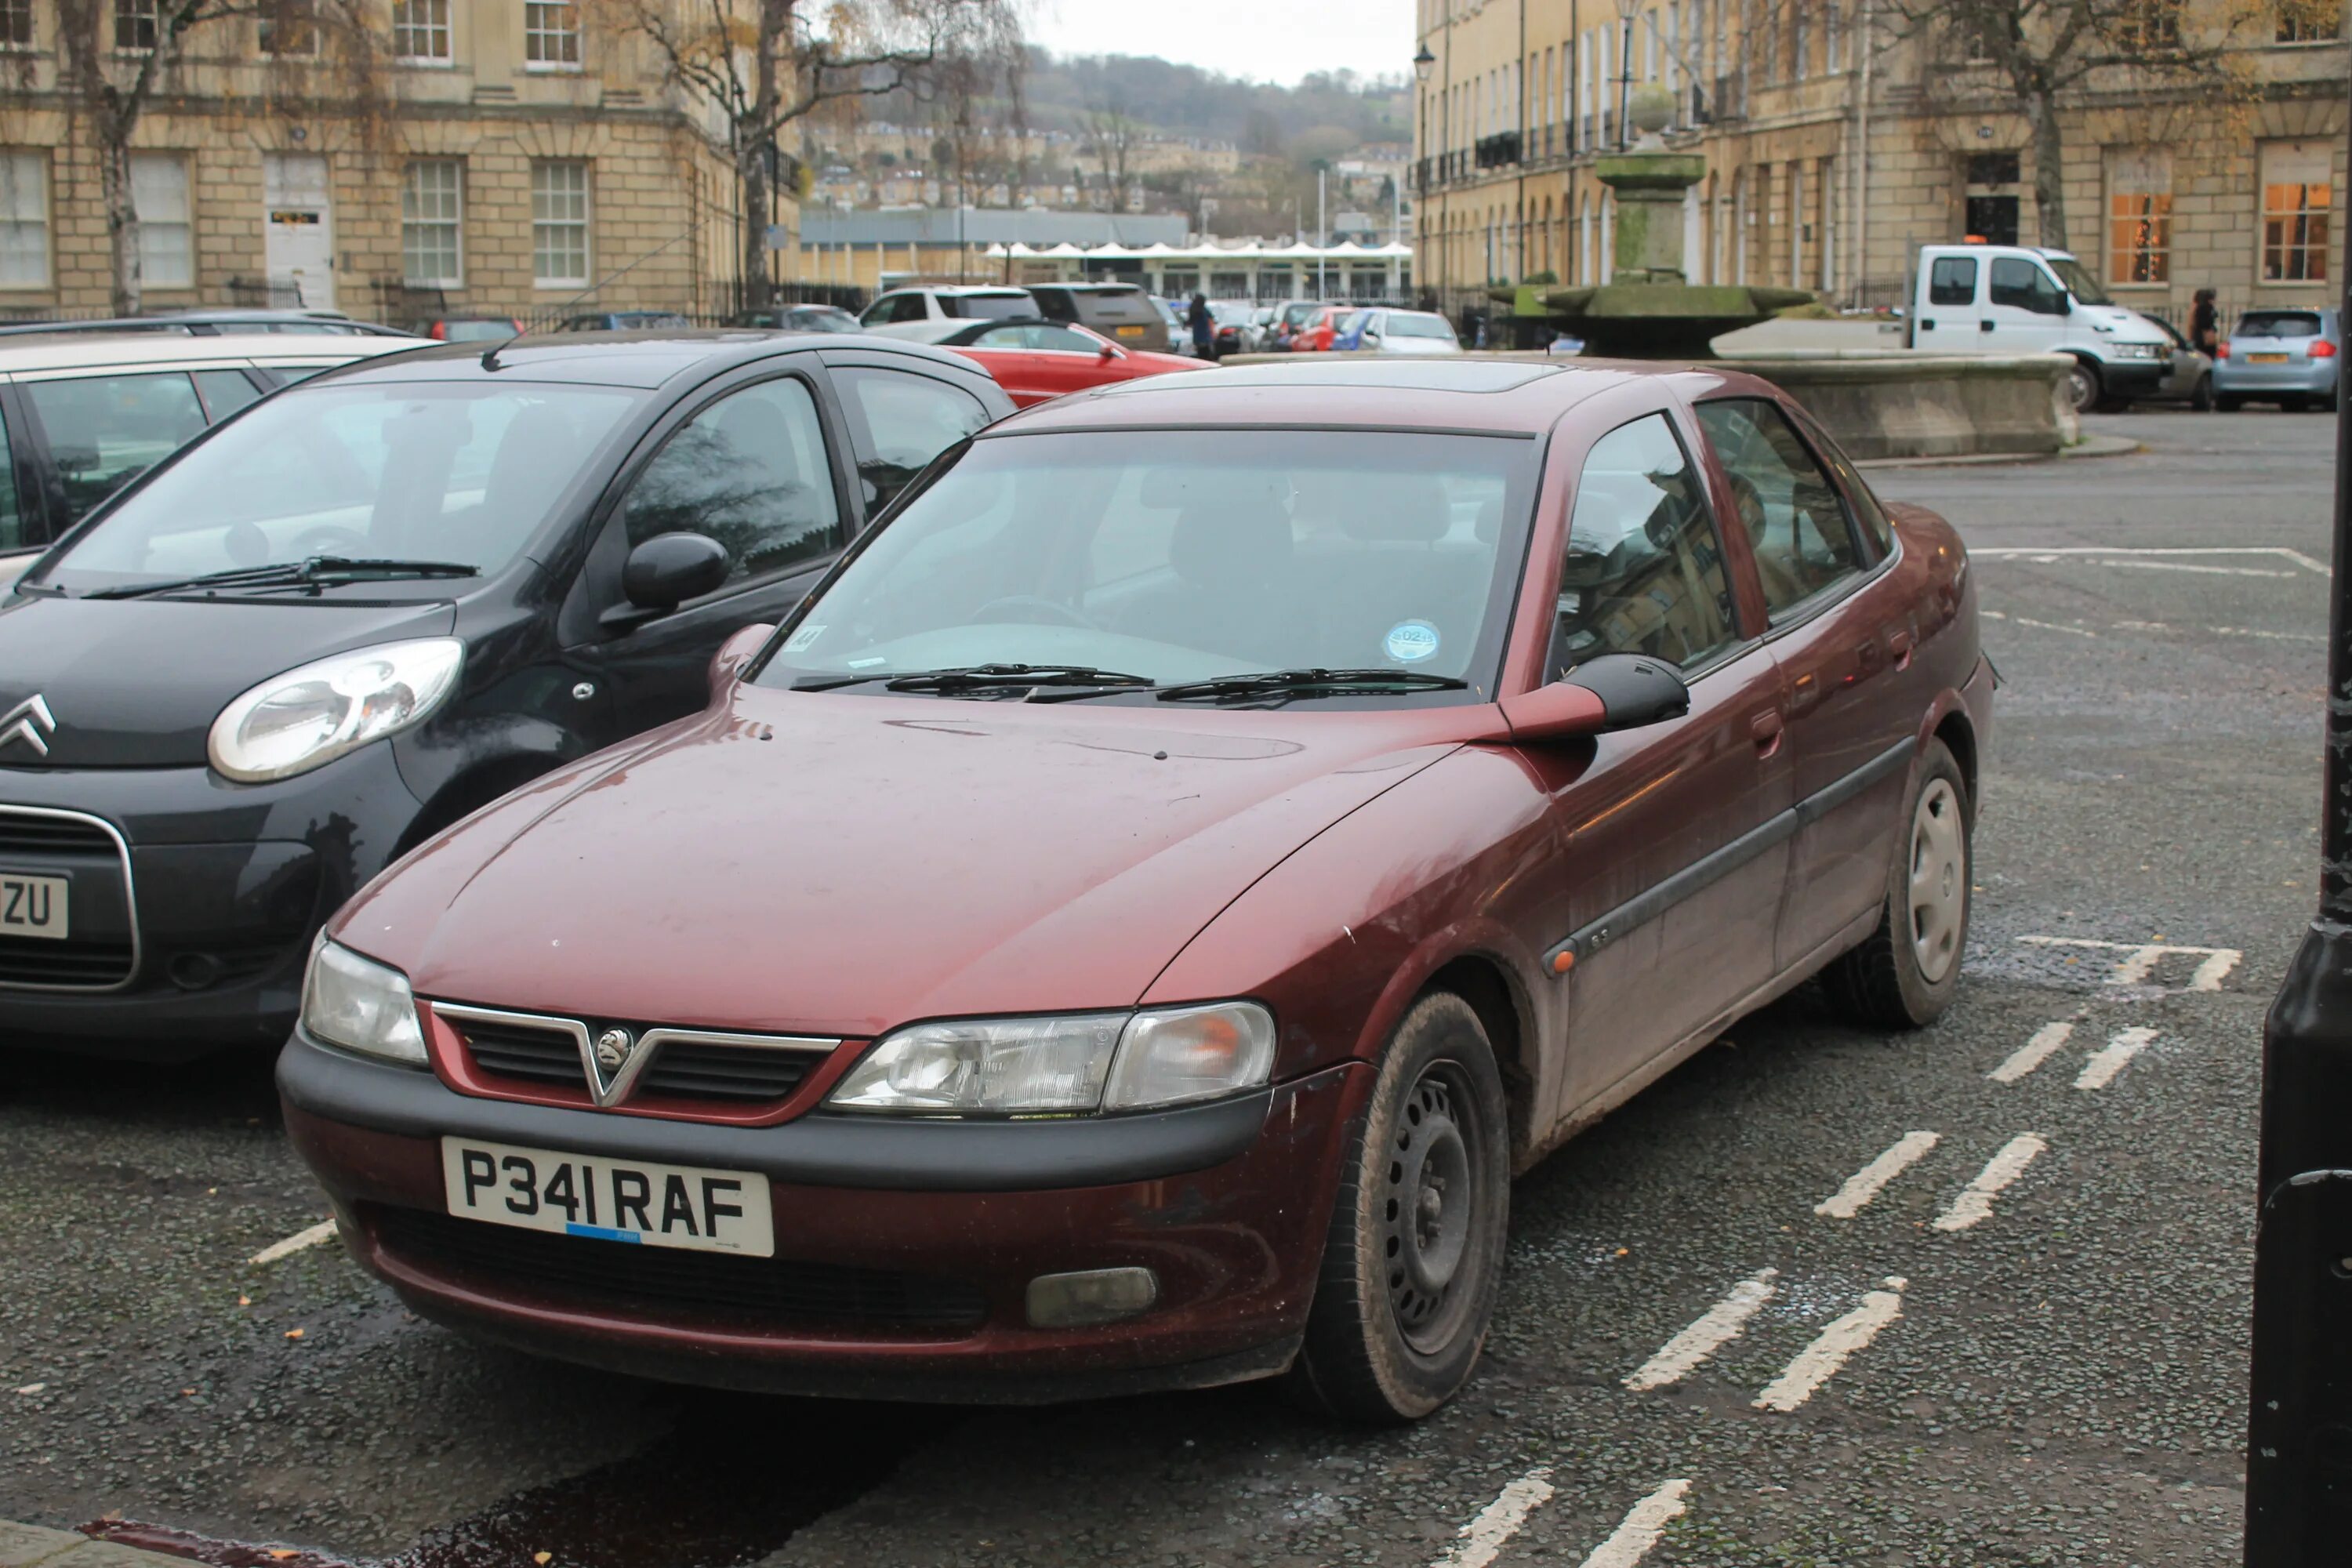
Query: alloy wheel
(1939, 879)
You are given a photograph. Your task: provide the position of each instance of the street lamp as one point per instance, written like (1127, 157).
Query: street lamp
(1424, 63)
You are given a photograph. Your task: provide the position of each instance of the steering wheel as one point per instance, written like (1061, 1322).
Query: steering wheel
(328, 539)
(1053, 613)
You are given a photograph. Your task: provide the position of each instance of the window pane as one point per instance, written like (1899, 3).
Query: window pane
(1796, 525)
(420, 29)
(24, 220)
(159, 194)
(224, 392)
(550, 32)
(135, 24)
(431, 220)
(1952, 281)
(750, 473)
(558, 223)
(1643, 571)
(106, 430)
(16, 25)
(2023, 285)
(901, 421)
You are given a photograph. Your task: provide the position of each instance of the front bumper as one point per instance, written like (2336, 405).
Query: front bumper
(2133, 378)
(1226, 1204)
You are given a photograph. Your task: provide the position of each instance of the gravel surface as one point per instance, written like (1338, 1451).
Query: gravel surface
(2063, 1384)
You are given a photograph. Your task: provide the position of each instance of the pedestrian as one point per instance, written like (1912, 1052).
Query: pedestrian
(2204, 323)
(1478, 338)
(1204, 327)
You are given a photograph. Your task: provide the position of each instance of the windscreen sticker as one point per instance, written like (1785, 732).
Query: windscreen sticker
(867, 663)
(1409, 642)
(802, 637)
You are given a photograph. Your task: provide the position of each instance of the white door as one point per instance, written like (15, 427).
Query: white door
(1950, 305)
(2025, 306)
(298, 243)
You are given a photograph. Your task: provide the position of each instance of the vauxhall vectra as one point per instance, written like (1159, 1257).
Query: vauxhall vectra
(1125, 928)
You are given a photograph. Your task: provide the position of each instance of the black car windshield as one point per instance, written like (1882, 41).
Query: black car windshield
(2086, 289)
(461, 473)
(1187, 557)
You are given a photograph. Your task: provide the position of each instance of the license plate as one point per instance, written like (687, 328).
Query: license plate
(611, 1200)
(1131, 331)
(2266, 359)
(33, 906)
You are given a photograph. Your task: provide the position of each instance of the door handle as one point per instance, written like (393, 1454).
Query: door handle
(1928, 323)
(1984, 326)
(1765, 729)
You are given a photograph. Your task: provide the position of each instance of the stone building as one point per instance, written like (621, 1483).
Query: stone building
(506, 157)
(2168, 188)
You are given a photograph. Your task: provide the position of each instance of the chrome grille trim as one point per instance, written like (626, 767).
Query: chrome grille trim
(617, 1089)
(130, 898)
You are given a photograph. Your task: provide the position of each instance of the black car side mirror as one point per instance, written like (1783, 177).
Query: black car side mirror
(1634, 689)
(669, 569)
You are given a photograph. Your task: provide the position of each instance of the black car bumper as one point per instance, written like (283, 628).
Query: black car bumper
(2133, 378)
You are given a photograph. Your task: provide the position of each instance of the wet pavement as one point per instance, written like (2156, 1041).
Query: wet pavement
(2018, 1338)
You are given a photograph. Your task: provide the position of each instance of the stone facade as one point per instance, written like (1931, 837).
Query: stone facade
(280, 183)
(2165, 187)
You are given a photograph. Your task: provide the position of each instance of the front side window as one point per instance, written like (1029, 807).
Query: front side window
(559, 224)
(1796, 525)
(441, 472)
(106, 430)
(898, 423)
(1952, 281)
(750, 473)
(1195, 555)
(159, 194)
(550, 34)
(2022, 284)
(1643, 570)
(24, 220)
(420, 31)
(2298, 187)
(2139, 215)
(432, 222)
(1045, 336)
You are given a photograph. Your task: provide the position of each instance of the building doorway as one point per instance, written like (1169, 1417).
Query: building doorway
(1991, 214)
(299, 232)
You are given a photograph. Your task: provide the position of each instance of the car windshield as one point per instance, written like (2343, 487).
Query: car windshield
(1403, 325)
(1205, 554)
(2078, 280)
(461, 473)
(2277, 324)
(989, 307)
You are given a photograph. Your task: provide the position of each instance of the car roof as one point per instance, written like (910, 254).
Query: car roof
(632, 359)
(959, 289)
(99, 352)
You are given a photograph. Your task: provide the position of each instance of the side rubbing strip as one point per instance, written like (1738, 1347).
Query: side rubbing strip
(1712, 867)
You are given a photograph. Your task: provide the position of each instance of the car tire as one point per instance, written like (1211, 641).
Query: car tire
(1908, 970)
(1408, 1283)
(2084, 388)
(2201, 396)
(2293, 405)
(2227, 403)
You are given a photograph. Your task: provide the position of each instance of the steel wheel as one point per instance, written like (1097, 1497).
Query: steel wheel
(1431, 1205)
(2082, 388)
(1939, 879)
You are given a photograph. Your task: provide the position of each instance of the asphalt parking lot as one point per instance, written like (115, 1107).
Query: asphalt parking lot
(1973, 1296)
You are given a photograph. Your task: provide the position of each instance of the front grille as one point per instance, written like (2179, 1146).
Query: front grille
(670, 1282)
(55, 835)
(75, 964)
(724, 1072)
(518, 1050)
(41, 843)
(517, 1047)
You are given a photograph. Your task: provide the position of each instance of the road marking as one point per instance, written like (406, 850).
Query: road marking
(2033, 1053)
(1643, 1523)
(318, 1233)
(2274, 637)
(2054, 627)
(2186, 566)
(2140, 958)
(1975, 1202)
(2100, 1069)
(2051, 553)
(1866, 1183)
(1721, 1324)
(1838, 1343)
(1483, 1539)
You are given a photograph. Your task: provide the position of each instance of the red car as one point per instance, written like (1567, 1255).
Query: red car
(1034, 361)
(1317, 335)
(1126, 927)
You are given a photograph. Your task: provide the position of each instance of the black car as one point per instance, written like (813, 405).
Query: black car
(379, 599)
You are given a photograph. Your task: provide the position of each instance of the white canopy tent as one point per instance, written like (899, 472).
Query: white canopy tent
(1250, 270)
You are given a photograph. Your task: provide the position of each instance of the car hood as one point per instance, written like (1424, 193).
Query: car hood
(837, 863)
(136, 683)
(2124, 326)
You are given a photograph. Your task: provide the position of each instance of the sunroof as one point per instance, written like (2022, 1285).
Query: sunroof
(1458, 375)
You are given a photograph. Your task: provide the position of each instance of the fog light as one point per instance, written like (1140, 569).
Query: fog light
(1094, 1296)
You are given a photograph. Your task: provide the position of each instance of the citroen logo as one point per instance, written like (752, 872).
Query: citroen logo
(613, 1049)
(31, 722)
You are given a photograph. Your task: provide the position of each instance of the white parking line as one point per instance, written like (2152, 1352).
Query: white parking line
(2275, 636)
(2052, 554)
(1868, 1182)
(1975, 1202)
(1721, 1324)
(1837, 1344)
(1643, 1523)
(318, 1233)
(2054, 627)
(2033, 1053)
(2140, 958)
(2100, 1068)
(1482, 1540)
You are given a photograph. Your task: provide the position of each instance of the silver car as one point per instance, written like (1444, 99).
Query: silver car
(2289, 357)
(1400, 333)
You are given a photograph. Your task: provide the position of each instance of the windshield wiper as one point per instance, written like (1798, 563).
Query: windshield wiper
(318, 571)
(1311, 683)
(988, 677)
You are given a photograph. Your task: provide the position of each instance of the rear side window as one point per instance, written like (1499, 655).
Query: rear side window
(899, 422)
(1952, 281)
(106, 430)
(1643, 571)
(1795, 526)
(224, 392)
(2278, 324)
(1113, 306)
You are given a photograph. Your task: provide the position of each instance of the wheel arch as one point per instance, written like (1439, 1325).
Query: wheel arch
(1487, 983)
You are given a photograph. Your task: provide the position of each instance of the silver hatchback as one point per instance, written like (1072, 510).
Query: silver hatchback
(2290, 357)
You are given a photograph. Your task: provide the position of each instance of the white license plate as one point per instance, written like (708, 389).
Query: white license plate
(611, 1200)
(33, 906)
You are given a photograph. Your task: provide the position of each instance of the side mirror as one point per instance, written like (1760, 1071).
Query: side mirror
(1613, 691)
(670, 568)
(736, 652)
(1106, 354)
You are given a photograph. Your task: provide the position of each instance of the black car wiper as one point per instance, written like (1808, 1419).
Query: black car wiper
(986, 677)
(1311, 683)
(316, 571)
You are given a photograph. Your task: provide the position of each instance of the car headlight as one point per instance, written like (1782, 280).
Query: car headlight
(360, 1005)
(2138, 351)
(1073, 1065)
(310, 716)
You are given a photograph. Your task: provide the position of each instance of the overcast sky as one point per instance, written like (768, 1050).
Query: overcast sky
(1263, 41)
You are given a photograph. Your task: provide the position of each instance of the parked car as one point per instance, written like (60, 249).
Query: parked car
(800, 318)
(1180, 333)
(1387, 331)
(472, 329)
(216, 323)
(502, 562)
(81, 417)
(1237, 331)
(1320, 330)
(1125, 928)
(1291, 319)
(1034, 361)
(2190, 377)
(1121, 312)
(915, 314)
(2292, 358)
(624, 322)
(2014, 299)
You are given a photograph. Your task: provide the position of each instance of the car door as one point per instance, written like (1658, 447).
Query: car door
(1842, 632)
(100, 430)
(2025, 305)
(897, 419)
(1949, 320)
(756, 465)
(23, 527)
(1669, 873)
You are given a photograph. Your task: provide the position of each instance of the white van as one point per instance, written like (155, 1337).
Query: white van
(2014, 299)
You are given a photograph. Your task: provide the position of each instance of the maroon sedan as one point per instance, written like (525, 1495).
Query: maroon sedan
(1126, 927)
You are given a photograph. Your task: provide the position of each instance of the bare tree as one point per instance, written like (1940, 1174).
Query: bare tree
(762, 65)
(1112, 137)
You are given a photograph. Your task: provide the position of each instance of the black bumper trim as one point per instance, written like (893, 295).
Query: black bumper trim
(863, 1151)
